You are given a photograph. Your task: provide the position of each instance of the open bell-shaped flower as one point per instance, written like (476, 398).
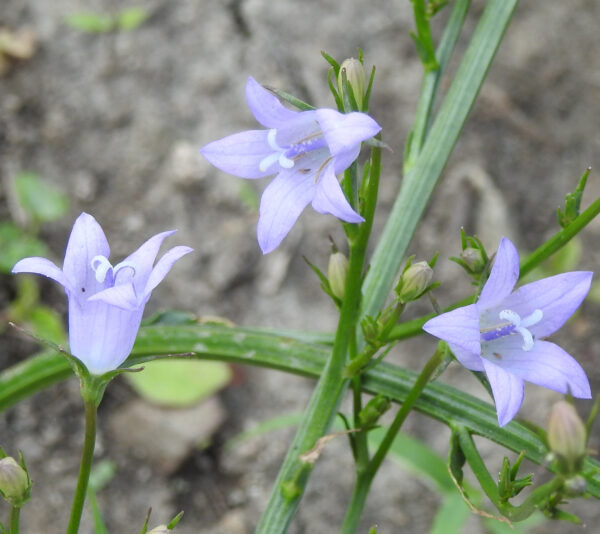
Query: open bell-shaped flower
(106, 302)
(305, 149)
(502, 334)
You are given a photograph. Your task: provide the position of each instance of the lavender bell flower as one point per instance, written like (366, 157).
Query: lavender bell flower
(106, 302)
(305, 149)
(502, 333)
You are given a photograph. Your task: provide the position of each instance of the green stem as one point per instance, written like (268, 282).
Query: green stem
(294, 473)
(365, 477)
(536, 499)
(85, 466)
(14, 519)
(418, 185)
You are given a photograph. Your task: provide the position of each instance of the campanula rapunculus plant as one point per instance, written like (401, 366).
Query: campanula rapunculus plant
(502, 333)
(305, 149)
(106, 302)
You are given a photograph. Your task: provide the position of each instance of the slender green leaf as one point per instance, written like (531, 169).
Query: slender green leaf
(41, 201)
(17, 244)
(451, 516)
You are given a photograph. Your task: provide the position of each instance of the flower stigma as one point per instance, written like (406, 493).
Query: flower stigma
(103, 268)
(287, 156)
(514, 324)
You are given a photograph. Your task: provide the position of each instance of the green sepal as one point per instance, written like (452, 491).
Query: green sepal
(324, 281)
(294, 101)
(334, 64)
(173, 523)
(573, 202)
(456, 459)
(146, 521)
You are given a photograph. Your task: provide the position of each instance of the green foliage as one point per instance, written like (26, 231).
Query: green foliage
(126, 20)
(41, 201)
(16, 244)
(179, 383)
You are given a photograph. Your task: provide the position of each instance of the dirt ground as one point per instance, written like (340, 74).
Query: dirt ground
(116, 120)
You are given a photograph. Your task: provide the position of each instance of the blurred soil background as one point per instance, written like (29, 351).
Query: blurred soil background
(115, 121)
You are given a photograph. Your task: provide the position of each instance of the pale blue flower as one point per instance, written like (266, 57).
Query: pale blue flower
(305, 149)
(502, 334)
(106, 302)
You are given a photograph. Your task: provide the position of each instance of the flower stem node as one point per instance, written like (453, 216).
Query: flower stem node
(353, 73)
(414, 282)
(567, 437)
(15, 484)
(336, 272)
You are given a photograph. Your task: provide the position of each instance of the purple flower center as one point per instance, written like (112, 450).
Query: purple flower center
(513, 324)
(287, 155)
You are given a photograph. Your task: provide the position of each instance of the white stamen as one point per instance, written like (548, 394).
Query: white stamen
(101, 266)
(521, 325)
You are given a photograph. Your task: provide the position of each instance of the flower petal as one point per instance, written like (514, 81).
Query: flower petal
(266, 107)
(458, 327)
(280, 206)
(122, 296)
(503, 277)
(240, 154)
(343, 131)
(557, 296)
(329, 198)
(470, 360)
(508, 391)
(41, 266)
(546, 365)
(87, 240)
(142, 260)
(163, 266)
(101, 335)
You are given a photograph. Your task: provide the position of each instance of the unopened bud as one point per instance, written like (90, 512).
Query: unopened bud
(355, 75)
(160, 529)
(567, 435)
(336, 272)
(374, 409)
(414, 281)
(15, 485)
(474, 259)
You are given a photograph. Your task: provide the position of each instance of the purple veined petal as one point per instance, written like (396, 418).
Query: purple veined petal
(37, 265)
(266, 107)
(240, 154)
(508, 391)
(101, 335)
(329, 198)
(557, 296)
(470, 360)
(343, 131)
(458, 327)
(503, 277)
(87, 240)
(122, 296)
(281, 204)
(546, 365)
(163, 266)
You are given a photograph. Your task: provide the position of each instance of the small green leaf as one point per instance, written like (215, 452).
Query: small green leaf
(131, 18)
(15, 245)
(451, 516)
(102, 473)
(91, 22)
(177, 382)
(41, 201)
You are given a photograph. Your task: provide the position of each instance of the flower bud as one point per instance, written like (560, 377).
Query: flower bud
(355, 75)
(474, 259)
(567, 435)
(374, 409)
(414, 281)
(336, 272)
(160, 529)
(15, 485)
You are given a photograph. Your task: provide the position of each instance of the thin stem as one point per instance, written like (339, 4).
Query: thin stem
(294, 473)
(14, 519)
(85, 466)
(366, 476)
(536, 499)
